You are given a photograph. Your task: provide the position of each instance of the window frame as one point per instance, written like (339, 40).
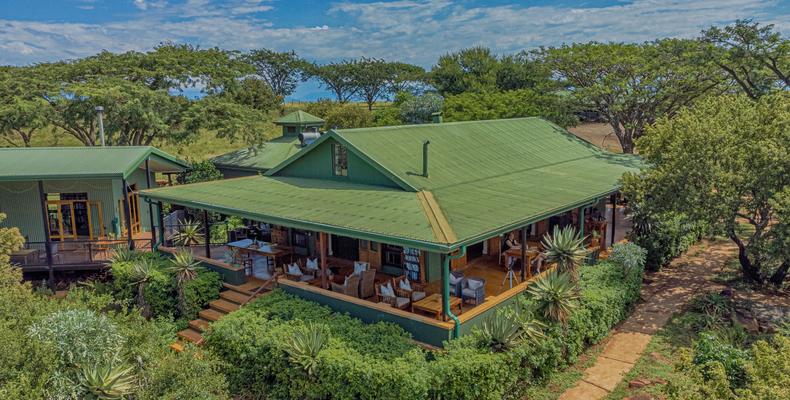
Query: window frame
(339, 160)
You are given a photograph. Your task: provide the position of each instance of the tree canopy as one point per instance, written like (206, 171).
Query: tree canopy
(281, 71)
(724, 161)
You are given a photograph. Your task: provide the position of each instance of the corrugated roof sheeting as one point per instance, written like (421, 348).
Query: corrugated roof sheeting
(75, 162)
(299, 117)
(263, 158)
(356, 208)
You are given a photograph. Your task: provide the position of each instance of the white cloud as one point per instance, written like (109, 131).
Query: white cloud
(409, 30)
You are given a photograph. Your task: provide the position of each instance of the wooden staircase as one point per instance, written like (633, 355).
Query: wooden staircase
(230, 300)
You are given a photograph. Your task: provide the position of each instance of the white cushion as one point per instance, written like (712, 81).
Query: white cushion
(401, 301)
(405, 285)
(312, 263)
(474, 284)
(454, 279)
(469, 292)
(360, 266)
(293, 269)
(387, 291)
(417, 296)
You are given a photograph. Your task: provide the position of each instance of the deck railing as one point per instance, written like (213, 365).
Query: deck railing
(72, 252)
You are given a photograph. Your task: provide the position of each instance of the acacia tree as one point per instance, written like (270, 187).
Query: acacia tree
(754, 56)
(631, 85)
(473, 69)
(724, 161)
(338, 78)
(282, 71)
(371, 76)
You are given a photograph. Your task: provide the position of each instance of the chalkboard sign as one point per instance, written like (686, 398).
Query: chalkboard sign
(411, 263)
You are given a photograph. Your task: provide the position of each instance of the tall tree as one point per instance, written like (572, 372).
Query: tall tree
(371, 76)
(23, 107)
(472, 69)
(754, 56)
(282, 71)
(724, 161)
(405, 77)
(338, 78)
(631, 85)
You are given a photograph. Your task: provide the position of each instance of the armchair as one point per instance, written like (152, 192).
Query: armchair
(474, 289)
(295, 273)
(385, 293)
(349, 288)
(405, 288)
(457, 282)
(367, 280)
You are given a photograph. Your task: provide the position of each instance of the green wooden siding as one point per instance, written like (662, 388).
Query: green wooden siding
(317, 164)
(22, 206)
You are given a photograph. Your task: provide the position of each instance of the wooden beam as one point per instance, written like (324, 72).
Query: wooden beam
(323, 241)
(48, 240)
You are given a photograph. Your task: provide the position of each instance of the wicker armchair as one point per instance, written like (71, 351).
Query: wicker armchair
(474, 289)
(349, 288)
(395, 301)
(367, 281)
(416, 293)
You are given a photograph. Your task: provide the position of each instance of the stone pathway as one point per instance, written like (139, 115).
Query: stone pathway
(663, 294)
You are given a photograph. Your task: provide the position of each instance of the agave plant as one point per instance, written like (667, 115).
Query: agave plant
(190, 234)
(532, 327)
(566, 248)
(122, 253)
(107, 382)
(554, 295)
(141, 274)
(304, 346)
(502, 333)
(185, 268)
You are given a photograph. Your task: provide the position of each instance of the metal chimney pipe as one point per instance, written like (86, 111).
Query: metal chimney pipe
(100, 111)
(425, 158)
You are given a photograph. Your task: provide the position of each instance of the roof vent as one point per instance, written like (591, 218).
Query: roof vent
(305, 138)
(425, 158)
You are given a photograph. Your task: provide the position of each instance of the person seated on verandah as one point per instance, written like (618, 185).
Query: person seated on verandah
(512, 244)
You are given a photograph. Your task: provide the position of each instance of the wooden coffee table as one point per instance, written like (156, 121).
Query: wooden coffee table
(433, 305)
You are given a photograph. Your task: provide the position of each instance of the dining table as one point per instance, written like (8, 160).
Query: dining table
(252, 247)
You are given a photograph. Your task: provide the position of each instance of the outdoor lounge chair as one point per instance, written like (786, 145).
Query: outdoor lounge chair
(296, 273)
(385, 293)
(366, 284)
(349, 288)
(474, 289)
(456, 283)
(406, 288)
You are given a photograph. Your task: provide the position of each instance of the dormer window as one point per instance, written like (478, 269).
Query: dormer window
(339, 160)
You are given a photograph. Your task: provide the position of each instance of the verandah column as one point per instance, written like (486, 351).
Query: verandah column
(524, 263)
(207, 234)
(323, 241)
(150, 206)
(128, 212)
(614, 214)
(47, 239)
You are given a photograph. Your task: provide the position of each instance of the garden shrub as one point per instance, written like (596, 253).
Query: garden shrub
(191, 374)
(379, 361)
(160, 291)
(669, 235)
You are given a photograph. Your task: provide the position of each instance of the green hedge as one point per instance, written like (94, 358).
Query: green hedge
(161, 292)
(379, 361)
(670, 235)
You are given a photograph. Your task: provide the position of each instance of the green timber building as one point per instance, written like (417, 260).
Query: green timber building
(447, 192)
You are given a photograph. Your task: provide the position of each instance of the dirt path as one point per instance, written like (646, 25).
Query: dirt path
(663, 294)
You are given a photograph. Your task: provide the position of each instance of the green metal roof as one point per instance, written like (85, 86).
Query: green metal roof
(261, 158)
(364, 211)
(34, 163)
(485, 178)
(299, 117)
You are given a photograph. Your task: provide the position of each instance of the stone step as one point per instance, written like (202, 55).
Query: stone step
(191, 335)
(199, 324)
(178, 346)
(224, 306)
(234, 296)
(211, 314)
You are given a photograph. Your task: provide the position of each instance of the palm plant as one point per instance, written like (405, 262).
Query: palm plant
(185, 268)
(555, 296)
(566, 248)
(502, 333)
(141, 274)
(107, 382)
(304, 346)
(189, 234)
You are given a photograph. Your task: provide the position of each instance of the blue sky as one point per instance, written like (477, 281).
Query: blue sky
(415, 31)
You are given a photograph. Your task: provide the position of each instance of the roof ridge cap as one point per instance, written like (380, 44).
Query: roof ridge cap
(442, 229)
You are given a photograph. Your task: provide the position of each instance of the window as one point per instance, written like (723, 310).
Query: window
(339, 160)
(290, 129)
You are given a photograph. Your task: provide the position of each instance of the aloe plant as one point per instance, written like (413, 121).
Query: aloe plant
(189, 234)
(304, 346)
(554, 295)
(122, 253)
(502, 333)
(185, 268)
(566, 248)
(107, 382)
(141, 274)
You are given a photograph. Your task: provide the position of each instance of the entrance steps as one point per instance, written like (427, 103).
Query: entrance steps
(231, 299)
